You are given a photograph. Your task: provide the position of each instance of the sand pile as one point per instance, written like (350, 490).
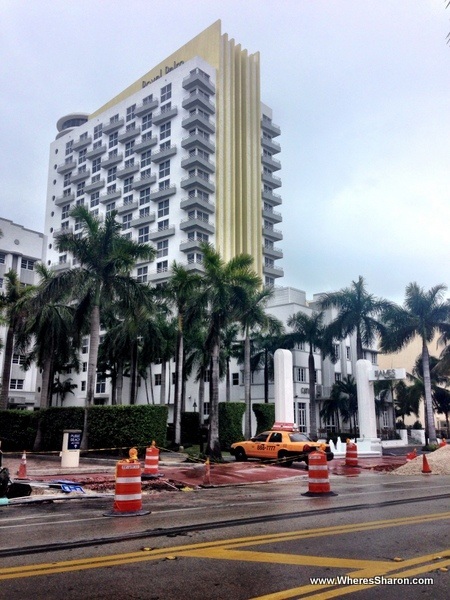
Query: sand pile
(439, 462)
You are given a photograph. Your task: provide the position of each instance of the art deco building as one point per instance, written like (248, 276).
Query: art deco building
(185, 154)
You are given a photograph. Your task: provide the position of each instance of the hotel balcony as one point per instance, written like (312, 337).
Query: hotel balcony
(272, 252)
(272, 215)
(144, 182)
(190, 246)
(271, 145)
(197, 140)
(198, 181)
(60, 231)
(107, 197)
(273, 271)
(192, 202)
(146, 143)
(270, 162)
(195, 100)
(196, 160)
(61, 266)
(272, 234)
(163, 193)
(80, 176)
(128, 171)
(199, 79)
(124, 208)
(82, 143)
(270, 127)
(98, 151)
(157, 234)
(113, 125)
(63, 200)
(67, 166)
(198, 120)
(274, 199)
(271, 180)
(163, 154)
(195, 223)
(150, 218)
(165, 115)
(145, 108)
(112, 160)
(129, 134)
(94, 186)
(159, 275)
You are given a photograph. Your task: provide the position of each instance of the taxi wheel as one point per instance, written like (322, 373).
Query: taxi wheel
(240, 455)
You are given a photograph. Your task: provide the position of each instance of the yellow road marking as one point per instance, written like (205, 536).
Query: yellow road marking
(229, 550)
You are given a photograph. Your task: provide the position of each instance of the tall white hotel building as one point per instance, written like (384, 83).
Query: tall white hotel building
(185, 154)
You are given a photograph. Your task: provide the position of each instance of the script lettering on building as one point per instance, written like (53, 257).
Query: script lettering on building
(162, 72)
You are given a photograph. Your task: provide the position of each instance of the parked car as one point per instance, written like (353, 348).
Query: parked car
(283, 446)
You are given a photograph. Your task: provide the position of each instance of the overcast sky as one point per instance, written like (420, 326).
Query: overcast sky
(360, 89)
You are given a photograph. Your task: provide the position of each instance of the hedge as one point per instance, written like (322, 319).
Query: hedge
(17, 429)
(265, 416)
(230, 423)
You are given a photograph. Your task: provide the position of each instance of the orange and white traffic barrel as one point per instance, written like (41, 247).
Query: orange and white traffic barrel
(351, 454)
(128, 490)
(318, 479)
(151, 464)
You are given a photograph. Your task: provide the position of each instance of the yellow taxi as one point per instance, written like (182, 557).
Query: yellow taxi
(284, 445)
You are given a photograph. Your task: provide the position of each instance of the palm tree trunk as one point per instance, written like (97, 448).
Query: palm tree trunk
(266, 376)
(228, 383)
(6, 375)
(312, 396)
(92, 371)
(201, 396)
(179, 371)
(119, 390)
(213, 448)
(430, 432)
(162, 393)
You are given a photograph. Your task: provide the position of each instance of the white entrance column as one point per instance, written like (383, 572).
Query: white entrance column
(283, 387)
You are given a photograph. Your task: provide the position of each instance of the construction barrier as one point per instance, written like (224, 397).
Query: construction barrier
(22, 472)
(128, 491)
(425, 465)
(318, 480)
(351, 454)
(151, 464)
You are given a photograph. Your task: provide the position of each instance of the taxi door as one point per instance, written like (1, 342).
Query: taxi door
(258, 447)
(273, 444)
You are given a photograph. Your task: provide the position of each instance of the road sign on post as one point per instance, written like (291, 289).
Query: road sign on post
(70, 455)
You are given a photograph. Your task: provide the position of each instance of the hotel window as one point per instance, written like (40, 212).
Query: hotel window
(82, 156)
(112, 174)
(144, 196)
(126, 221)
(194, 257)
(269, 281)
(300, 374)
(128, 185)
(157, 378)
(130, 112)
(2, 258)
(85, 345)
(96, 165)
(164, 169)
(147, 121)
(147, 99)
(337, 351)
(110, 207)
(337, 377)
(144, 212)
(162, 267)
(142, 273)
(129, 148)
(65, 226)
(162, 248)
(128, 200)
(16, 384)
(164, 185)
(347, 352)
(235, 377)
(163, 208)
(95, 199)
(129, 163)
(78, 224)
(18, 359)
(269, 262)
(83, 386)
(69, 148)
(80, 189)
(1, 282)
(98, 131)
(113, 139)
(65, 211)
(146, 158)
(100, 386)
(162, 225)
(95, 212)
(166, 92)
(67, 178)
(143, 234)
(164, 131)
(84, 367)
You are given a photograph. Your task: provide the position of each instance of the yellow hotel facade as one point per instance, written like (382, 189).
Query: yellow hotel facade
(185, 154)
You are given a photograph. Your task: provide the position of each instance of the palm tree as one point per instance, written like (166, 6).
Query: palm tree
(13, 309)
(406, 401)
(347, 395)
(265, 345)
(311, 330)
(424, 314)
(225, 286)
(105, 259)
(358, 311)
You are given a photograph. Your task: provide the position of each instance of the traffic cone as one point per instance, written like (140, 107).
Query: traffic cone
(22, 472)
(207, 475)
(425, 465)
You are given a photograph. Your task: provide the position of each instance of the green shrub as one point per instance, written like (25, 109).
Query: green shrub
(53, 422)
(265, 416)
(417, 425)
(230, 423)
(17, 429)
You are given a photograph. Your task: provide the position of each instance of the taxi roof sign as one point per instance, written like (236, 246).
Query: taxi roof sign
(279, 426)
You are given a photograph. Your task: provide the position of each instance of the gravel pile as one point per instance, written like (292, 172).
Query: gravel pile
(438, 461)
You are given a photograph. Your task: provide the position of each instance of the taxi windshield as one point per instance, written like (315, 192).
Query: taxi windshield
(298, 437)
